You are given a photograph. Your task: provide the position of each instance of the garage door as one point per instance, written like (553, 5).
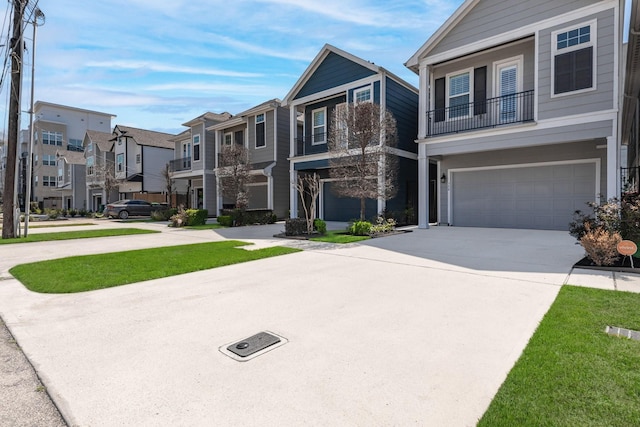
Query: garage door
(540, 197)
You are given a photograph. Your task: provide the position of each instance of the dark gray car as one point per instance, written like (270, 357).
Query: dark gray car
(125, 208)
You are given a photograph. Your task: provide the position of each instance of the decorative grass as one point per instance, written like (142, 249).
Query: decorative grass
(91, 272)
(69, 235)
(572, 373)
(339, 237)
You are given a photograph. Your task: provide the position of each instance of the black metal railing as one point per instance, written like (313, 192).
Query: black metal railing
(311, 144)
(629, 180)
(178, 165)
(493, 112)
(73, 147)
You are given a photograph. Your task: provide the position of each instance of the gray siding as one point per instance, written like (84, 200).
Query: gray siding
(403, 104)
(308, 128)
(197, 130)
(209, 150)
(523, 139)
(280, 172)
(596, 100)
(334, 70)
(210, 195)
(490, 18)
(263, 154)
(258, 196)
(154, 160)
(551, 153)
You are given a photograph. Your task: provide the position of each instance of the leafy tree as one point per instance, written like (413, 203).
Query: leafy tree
(360, 141)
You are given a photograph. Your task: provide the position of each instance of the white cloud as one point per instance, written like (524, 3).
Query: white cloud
(164, 68)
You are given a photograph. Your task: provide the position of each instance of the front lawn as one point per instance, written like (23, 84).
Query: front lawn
(81, 234)
(339, 236)
(572, 373)
(90, 272)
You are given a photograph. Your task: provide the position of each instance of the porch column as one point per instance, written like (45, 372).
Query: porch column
(423, 187)
(613, 172)
(293, 193)
(423, 101)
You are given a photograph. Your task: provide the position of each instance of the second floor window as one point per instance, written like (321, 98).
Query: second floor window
(228, 139)
(138, 159)
(459, 95)
(196, 148)
(120, 162)
(51, 138)
(362, 95)
(573, 61)
(48, 181)
(319, 122)
(260, 131)
(48, 160)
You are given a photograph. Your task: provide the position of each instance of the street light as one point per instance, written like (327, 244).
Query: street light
(38, 19)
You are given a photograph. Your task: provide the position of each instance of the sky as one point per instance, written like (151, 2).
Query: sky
(156, 64)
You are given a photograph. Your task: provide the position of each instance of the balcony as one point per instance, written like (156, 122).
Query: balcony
(494, 112)
(311, 144)
(178, 165)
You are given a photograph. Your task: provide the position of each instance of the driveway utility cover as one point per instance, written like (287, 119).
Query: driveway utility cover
(253, 344)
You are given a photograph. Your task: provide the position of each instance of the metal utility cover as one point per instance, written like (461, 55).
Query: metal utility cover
(253, 344)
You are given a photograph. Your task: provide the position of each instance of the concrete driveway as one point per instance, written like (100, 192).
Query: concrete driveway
(416, 329)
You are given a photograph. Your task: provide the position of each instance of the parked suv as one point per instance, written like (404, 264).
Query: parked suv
(125, 208)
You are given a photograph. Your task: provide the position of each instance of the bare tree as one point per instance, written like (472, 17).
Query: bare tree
(308, 186)
(104, 176)
(168, 182)
(234, 173)
(361, 163)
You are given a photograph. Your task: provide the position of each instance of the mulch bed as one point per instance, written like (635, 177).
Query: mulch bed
(622, 264)
(307, 237)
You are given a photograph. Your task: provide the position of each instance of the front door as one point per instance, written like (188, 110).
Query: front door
(199, 198)
(508, 85)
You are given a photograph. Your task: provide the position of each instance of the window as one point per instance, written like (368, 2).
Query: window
(319, 126)
(459, 95)
(508, 82)
(35, 161)
(260, 131)
(90, 163)
(228, 139)
(196, 148)
(48, 160)
(362, 95)
(48, 181)
(120, 162)
(138, 159)
(35, 182)
(51, 138)
(238, 137)
(90, 147)
(574, 59)
(75, 145)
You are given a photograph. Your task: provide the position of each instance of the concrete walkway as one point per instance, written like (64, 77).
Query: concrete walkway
(415, 329)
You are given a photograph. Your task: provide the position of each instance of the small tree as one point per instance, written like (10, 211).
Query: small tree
(359, 142)
(308, 186)
(104, 175)
(234, 173)
(168, 182)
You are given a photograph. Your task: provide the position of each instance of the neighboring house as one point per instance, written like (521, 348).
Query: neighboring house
(519, 112)
(72, 179)
(631, 105)
(264, 131)
(194, 160)
(140, 157)
(100, 169)
(334, 78)
(56, 128)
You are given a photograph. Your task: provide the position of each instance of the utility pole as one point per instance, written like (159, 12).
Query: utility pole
(8, 207)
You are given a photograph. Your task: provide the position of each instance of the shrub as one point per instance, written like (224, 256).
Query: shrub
(73, 212)
(196, 216)
(600, 245)
(180, 218)
(163, 214)
(383, 225)
(82, 212)
(295, 226)
(64, 212)
(35, 208)
(52, 213)
(225, 220)
(247, 217)
(360, 228)
(320, 226)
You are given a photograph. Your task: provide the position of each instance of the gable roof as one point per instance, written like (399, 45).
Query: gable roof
(440, 33)
(216, 117)
(103, 140)
(145, 137)
(326, 50)
(72, 157)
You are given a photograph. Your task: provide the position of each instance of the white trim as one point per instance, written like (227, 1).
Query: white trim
(193, 145)
(334, 91)
(255, 130)
(448, 77)
(450, 173)
(593, 29)
(519, 33)
(518, 62)
(313, 127)
(224, 139)
(356, 91)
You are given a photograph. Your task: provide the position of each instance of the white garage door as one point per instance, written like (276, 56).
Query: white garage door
(540, 197)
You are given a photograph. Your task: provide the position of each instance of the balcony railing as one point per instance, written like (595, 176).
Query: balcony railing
(177, 165)
(311, 144)
(494, 112)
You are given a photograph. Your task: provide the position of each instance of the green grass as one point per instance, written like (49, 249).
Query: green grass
(91, 272)
(572, 373)
(339, 236)
(69, 235)
(71, 224)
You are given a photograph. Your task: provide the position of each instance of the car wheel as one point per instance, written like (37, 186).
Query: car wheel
(123, 215)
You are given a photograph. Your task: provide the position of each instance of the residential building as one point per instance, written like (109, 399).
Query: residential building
(58, 128)
(333, 79)
(100, 169)
(519, 112)
(264, 131)
(141, 157)
(630, 179)
(72, 179)
(194, 161)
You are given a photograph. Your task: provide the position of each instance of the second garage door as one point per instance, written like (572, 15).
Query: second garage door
(539, 197)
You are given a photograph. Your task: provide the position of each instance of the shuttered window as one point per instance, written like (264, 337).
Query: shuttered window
(459, 94)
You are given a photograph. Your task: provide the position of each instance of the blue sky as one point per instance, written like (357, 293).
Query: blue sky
(157, 64)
